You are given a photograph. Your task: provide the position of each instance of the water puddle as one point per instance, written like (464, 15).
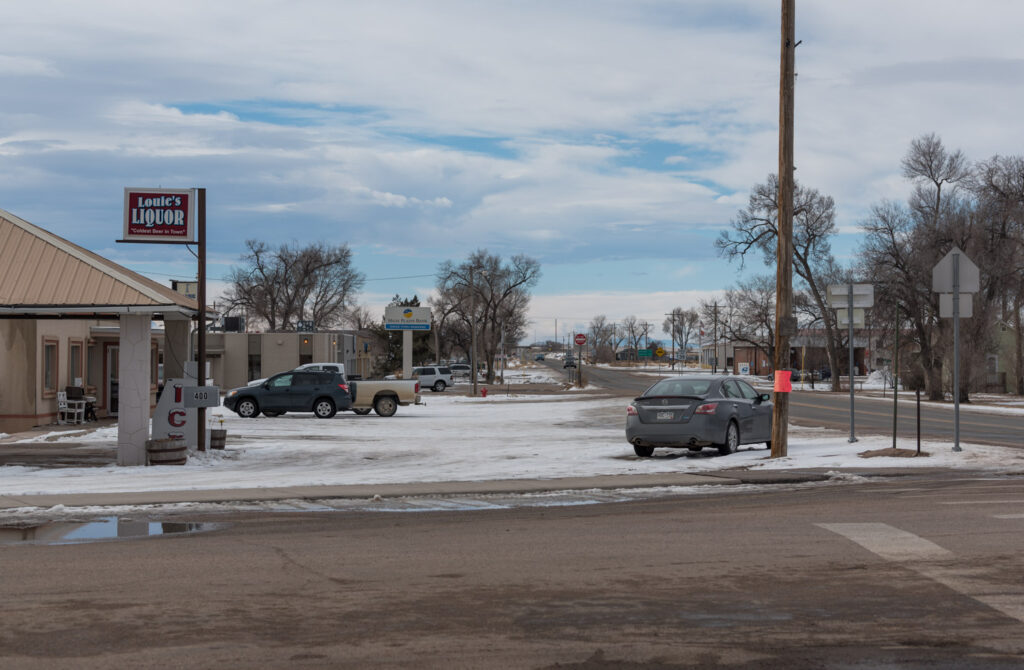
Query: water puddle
(95, 530)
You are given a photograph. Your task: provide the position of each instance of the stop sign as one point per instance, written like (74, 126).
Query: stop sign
(580, 339)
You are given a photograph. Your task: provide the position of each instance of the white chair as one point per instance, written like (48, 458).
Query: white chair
(69, 411)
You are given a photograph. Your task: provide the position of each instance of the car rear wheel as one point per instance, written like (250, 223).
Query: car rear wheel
(324, 408)
(362, 411)
(438, 386)
(732, 440)
(247, 408)
(385, 405)
(643, 452)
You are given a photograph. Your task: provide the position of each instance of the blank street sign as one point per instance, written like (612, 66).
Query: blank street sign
(942, 274)
(843, 320)
(863, 295)
(946, 305)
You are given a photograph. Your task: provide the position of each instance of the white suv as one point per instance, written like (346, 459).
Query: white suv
(435, 377)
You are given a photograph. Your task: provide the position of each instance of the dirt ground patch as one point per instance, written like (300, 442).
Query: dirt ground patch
(898, 453)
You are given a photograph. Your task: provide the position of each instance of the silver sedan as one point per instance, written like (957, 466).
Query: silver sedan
(698, 411)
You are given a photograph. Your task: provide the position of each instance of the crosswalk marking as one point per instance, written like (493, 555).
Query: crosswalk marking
(915, 553)
(890, 543)
(983, 502)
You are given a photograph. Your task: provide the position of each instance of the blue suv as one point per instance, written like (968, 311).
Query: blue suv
(322, 393)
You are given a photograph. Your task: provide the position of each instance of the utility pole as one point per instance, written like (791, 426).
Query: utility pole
(785, 323)
(714, 336)
(472, 327)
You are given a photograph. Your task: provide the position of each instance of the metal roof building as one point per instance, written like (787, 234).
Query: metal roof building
(53, 297)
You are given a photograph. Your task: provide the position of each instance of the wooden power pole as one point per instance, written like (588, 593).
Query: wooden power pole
(785, 322)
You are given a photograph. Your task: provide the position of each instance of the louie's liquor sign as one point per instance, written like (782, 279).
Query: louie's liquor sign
(159, 215)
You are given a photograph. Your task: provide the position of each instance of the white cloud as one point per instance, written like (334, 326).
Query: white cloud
(30, 67)
(434, 129)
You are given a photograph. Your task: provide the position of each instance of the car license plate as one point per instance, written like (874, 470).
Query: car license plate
(664, 416)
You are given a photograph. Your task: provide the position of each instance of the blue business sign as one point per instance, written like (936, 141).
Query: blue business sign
(406, 318)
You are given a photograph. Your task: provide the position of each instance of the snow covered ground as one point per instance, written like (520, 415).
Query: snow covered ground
(456, 438)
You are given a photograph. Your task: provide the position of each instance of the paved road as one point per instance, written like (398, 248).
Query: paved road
(912, 574)
(871, 415)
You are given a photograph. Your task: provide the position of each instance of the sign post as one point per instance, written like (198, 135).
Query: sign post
(955, 274)
(580, 339)
(851, 296)
(408, 319)
(174, 216)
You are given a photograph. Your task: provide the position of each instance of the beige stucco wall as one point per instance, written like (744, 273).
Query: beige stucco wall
(18, 388)
(23, 401)
(234, 361)
(278, 352)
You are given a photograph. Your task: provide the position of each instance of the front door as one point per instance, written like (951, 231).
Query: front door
(278, 395)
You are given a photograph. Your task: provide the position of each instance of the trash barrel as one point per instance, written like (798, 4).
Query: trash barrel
(217, 437)
(166, 451)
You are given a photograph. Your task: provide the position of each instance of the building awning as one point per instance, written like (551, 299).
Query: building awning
(43, 275)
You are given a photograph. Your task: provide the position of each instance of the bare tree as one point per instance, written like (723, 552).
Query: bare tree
(490, 296)
(289, 284)
(755, 229)
(634, 332)
(359, 317)
(602, 336)
(930, 166)
(682, 325)
(999, 182)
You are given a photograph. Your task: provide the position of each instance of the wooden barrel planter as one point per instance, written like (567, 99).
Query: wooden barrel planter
(218, 436)
(166, 451)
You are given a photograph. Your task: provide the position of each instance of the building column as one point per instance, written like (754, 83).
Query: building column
(133, 389)
(176, 332)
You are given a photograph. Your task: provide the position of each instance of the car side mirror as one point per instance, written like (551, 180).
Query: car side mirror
(764, 397)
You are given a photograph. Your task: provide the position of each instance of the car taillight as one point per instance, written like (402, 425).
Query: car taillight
(706, 408)
(417, 390)
(343, 387)
(631, 411)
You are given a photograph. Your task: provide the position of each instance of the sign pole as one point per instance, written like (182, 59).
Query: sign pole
(895, 379)
(201, 298)
(956, 352)
(849, 303)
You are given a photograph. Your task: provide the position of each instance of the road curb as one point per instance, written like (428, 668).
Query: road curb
(411, 490)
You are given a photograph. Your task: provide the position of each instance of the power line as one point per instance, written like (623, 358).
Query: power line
(192, 277)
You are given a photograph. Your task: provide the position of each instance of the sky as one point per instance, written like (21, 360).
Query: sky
(610, 140)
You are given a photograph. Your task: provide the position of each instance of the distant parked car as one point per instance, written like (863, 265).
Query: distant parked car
(323, 393)
(570, 362)
(794, 375)
(460, 369)
(538, 357)
(436, 378)
(694, 412)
